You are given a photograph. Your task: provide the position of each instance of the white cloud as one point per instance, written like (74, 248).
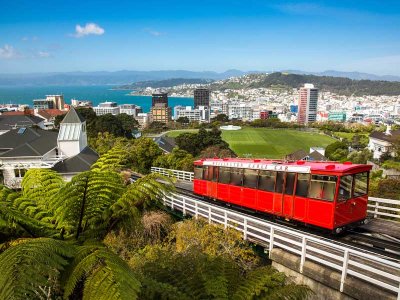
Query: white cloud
(152, 32)
(28, 38)
(43, 54)
(89, 28)
(8, 52)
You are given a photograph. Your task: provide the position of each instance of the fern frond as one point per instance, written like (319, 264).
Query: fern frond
(106, 275)
(28, 265)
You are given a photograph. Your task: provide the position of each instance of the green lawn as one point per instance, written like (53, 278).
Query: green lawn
(270, 143)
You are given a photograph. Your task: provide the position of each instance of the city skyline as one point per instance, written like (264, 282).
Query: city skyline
(214, 35)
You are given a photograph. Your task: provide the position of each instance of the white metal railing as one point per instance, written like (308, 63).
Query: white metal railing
(372, 268)
(379, 207)
(181, 175)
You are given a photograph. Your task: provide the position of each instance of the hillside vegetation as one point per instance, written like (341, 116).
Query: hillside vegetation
(338, 85)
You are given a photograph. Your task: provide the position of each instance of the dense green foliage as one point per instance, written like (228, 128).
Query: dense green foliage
(194, 143)
(52, 232)
(177, 160)
(339, 85)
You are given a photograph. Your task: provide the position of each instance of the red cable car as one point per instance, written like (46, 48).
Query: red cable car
(329, 195)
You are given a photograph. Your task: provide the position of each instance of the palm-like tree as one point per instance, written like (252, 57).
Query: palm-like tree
(55, 233)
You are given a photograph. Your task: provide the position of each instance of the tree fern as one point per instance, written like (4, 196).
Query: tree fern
(39, 185)
(113, 160)
(105, 275)
(29, 266)
(84, 203)
(145, 192)
(268, 283)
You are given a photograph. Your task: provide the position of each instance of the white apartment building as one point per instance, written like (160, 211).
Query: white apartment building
(242, 111)
(199, 114)
(130, 109)
(106, 108)
(143, 119)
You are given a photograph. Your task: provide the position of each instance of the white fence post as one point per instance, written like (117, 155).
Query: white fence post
(303, 253)
(184, 206)
(196, 210)
(344, 271)
(225, 219)
(376, 209)
(271, 241)
(209, 215)
(245, 229)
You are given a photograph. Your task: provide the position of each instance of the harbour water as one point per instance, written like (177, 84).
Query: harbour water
(97, 94)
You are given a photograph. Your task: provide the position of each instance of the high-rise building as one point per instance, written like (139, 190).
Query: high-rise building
(201, 97)
(308, 101)
(130, 109)
(161, 98)
(160, 112)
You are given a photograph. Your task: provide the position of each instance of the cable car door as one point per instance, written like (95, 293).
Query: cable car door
(278, 195)
(212, 182)
(288, 198)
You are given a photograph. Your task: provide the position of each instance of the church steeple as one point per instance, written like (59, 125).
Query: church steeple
(72, 137)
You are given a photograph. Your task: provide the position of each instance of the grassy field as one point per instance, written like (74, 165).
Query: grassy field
(349, 135)
(270, 143)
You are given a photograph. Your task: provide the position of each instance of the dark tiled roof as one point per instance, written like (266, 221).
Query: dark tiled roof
(78, 163)
(383, 137)
(297, 155)
(165, 143)
(32, 142)
(73, 117)
(9, 122)
(316, 156)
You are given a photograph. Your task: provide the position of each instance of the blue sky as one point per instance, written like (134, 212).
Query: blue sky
(47, 36)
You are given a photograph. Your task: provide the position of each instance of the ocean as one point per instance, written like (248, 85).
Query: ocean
(96, 94)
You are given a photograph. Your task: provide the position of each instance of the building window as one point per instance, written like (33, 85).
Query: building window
(19, 173)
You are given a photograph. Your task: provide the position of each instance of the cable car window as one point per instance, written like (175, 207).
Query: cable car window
(289, 186)
(345, 187)
(279, 182)
(323, 187)
(198, 172)
(267, 181)
(224, 175)
(215, 174)
(236, 176)
(250, 178)
(205, 173)
(210, 173)
(303, 182)
(360, 184)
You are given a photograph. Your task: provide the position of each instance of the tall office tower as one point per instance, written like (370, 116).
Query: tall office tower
(161, 98)
(201, 97)
(308, 101)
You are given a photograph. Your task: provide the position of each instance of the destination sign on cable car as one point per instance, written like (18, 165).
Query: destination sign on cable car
(259, 166)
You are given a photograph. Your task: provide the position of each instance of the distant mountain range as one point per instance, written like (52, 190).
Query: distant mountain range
(351, 75)
(129, 77)
(163, 83)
